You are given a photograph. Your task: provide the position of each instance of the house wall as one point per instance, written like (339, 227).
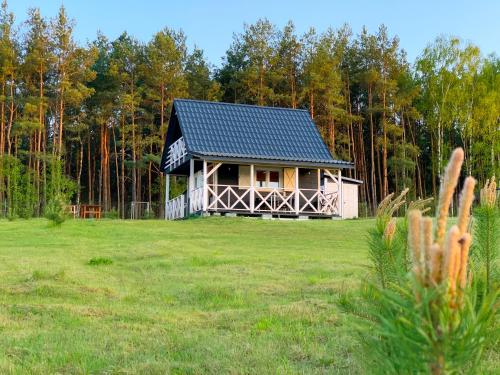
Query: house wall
(233, 174)
(244, 175)
(350, 193)
(238, 177)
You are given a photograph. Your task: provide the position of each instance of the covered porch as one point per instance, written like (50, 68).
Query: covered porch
(256, 189)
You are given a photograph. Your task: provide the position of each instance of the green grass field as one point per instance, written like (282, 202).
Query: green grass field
(217, 295)
(200, 296)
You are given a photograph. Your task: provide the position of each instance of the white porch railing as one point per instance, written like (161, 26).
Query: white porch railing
(275, 200)
(176, 208)
(196, 200)
(318, 202)
(228, 197)
(176, 154)
(238, 198)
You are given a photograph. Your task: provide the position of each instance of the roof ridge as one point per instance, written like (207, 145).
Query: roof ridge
(241, 105)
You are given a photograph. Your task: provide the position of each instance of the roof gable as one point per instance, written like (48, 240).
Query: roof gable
(251, 132)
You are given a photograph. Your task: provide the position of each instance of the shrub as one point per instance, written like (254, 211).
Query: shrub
(387, 255)
(45, 275)
(430, 320)
(364, 210)
(12, 216)
(149, 215)
(99, 261)
(487, 232)
(19, 188)
(54, 211)
(111, 214)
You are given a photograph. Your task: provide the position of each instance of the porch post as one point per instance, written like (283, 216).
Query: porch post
(167, 194)
(341, 195)
(319, 188)
(297, 194)
(191, 185)
(205, 186)
(252, 188)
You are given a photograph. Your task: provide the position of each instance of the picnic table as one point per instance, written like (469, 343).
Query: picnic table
(90, 210)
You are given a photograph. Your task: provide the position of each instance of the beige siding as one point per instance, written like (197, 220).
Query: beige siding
(330, 186)
(244, 175)
(350, 192)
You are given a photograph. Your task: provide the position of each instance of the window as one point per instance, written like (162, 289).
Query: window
(268, 179)
(261, 179)
(274, 179)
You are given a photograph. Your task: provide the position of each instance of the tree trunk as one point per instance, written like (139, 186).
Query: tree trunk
(105, 191)
(332, 135)
(384, 147)
(261, 86)
(99, 189)
(134, 152)
(80, 169)
(434, 168)
(372, 151)
(379, 172)
(352, 143)
(162, 105)
(2, 145)
(149, 182)
(118, 189)
(2, 120)
(90, 197)
(61, 116)
(123, 169)
(41, 131)
(311, 104)
(11, 117)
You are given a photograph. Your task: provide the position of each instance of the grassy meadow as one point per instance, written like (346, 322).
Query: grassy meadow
(215, 295)
(199, 296)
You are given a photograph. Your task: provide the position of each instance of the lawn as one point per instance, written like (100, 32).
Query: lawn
(199, 296)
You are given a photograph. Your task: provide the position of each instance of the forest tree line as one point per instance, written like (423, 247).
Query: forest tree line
(86, 123)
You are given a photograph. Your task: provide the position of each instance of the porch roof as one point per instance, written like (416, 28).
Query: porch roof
(242, 132)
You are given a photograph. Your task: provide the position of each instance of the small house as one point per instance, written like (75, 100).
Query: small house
(253, 160)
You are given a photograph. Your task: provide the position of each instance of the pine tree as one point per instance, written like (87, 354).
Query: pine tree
(38, 62)
(286, 67)
(437, 72)
(73, 65)
(199, 78)
(126, 63)
(259, 43)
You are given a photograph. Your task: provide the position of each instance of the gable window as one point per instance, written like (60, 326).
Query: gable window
(268, 179)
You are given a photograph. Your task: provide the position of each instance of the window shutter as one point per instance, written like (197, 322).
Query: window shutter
(289, 178)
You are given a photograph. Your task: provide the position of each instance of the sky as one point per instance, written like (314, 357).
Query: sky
(210, 24)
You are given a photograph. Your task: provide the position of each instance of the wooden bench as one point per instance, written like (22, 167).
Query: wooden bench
(90, 210)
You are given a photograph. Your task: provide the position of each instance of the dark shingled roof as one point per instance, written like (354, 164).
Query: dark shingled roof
(242, 131)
